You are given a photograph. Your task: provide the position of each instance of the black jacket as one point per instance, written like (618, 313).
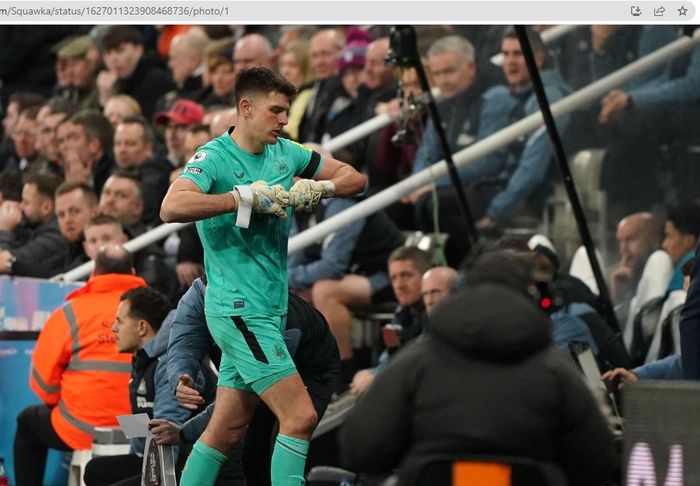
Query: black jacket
(40, 252)
(484, 380)
(146, 84)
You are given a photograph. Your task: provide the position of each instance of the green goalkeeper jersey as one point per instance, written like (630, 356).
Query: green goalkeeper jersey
(247, 267)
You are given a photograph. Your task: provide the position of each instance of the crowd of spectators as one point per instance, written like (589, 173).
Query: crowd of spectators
(98, 122)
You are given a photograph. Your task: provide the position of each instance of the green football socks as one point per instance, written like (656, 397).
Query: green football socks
(202, 467)
(288, 461)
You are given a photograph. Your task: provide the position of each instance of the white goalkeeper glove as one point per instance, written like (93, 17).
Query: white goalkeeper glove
(259, 197)
(306, 194)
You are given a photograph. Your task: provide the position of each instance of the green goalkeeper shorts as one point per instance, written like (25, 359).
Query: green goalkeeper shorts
(253, 353)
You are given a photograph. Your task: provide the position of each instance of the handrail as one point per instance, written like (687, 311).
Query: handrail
(548, 36)
(473, 152)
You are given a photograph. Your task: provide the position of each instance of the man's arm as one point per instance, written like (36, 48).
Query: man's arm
(184, 202)
(50, 358)
(345, 178)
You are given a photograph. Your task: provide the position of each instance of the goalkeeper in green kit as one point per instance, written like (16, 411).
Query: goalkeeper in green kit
(239, 188)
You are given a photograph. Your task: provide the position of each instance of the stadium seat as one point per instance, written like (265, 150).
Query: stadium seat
(107, 441)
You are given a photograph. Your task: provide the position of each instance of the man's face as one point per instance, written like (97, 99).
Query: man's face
(36, 208)
(433, 289)
(289, 68)
(80, 72)
(250, 52)
(126, 329)
(97, 236)
(323, 52)
(268, 116)
(452, 73)
(73, 213)
(130, 149)
(351, 79)
(25, 137)
(193, 141)
(175, 140)
(377, 74)
(123, 59)
(46, 141)
(223, 80)
(116, 110)
(406, 281)
(181, 62)
(10, 119)
(514, 67)
(676, 243)
(72, 138)
(120, 199)
(634, 243)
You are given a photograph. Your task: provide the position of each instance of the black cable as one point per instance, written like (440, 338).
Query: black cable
(560, 157)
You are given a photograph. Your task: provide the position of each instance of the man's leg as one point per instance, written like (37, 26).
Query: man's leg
(335, 299)
(107, 470)
(231, 414)
(292, 406)
(34, 436)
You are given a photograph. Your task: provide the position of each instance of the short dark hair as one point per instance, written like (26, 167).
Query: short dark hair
(687, 267)
(149, 135)
(85, 188)
(61, 105)
(117, 35)
(46, 183)
(534, 38)
(420, 258)
(25, 99)
(261, 80)
(113, 258)
(102, 219)
(504, 267)
(96, 126)
(130, 174)
(686, 219)
(147, 304)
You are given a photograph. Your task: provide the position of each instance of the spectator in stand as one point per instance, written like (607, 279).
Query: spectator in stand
(77, 370)
(182, 114)
(436, 284)
(222, 75)
(130, 71)
(31, 242)
(406, 268)
(50, 115)
(122, 199)
(80, 71)
(76, 204)
(681, 234)
(638, 236)
(324, 48)
(24, 138)
(252, 50)
(85, 145)
(294, 65)
(119, 107)
(17, 104)
(186, 58)
(134, 142)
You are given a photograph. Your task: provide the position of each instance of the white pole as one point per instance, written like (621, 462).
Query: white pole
(357, 133)
(138, 243)
(483, 147)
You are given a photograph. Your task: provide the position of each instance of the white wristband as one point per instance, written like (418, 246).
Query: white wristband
(245, 206)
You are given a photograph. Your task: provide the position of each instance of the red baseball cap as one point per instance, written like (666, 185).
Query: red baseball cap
(182, 112)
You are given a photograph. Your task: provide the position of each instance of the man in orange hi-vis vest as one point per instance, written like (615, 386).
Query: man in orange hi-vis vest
(77, 370)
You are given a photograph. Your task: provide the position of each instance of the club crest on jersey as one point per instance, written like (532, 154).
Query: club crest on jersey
(281, 166)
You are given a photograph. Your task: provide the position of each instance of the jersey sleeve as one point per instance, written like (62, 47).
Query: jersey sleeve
(201, 169)
(308, 162)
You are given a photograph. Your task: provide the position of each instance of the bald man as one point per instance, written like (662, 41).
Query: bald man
(185, 62)
(252, 50)
(638, 235)
(437, 284)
